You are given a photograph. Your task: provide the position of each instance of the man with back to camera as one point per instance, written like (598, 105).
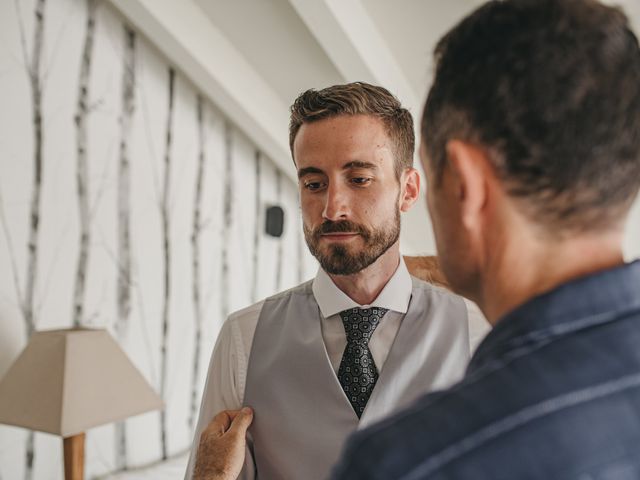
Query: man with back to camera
(533, 161)
(363, 339)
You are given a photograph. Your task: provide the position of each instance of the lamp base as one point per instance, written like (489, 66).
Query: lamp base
(74, 457)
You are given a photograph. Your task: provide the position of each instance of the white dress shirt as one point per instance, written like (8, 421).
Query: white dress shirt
(227, 375)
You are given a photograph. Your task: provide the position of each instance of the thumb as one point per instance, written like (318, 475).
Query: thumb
(242, 421)
(219, 424)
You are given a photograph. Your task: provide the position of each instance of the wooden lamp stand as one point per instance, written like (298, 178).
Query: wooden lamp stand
(74, 457)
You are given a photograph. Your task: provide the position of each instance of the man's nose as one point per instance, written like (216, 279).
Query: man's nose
(336, 204)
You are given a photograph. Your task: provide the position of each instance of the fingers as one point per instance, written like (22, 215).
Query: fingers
(242, 421)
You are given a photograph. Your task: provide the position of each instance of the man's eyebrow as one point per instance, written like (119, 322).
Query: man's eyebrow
(360, 164)
(307, 171)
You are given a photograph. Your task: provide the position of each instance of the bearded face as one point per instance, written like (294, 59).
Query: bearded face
(350, 193)
(347, 258)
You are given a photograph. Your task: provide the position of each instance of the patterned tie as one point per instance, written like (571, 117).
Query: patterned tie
(357, 373)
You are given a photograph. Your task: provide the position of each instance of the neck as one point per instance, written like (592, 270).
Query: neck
(527, 268)
(365, 286)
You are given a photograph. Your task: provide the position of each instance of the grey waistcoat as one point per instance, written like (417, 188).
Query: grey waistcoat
(302, 416)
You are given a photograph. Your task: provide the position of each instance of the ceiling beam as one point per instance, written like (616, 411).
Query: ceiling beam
(184, 34)
(350, 38)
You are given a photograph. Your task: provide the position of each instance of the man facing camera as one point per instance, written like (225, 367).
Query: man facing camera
(363, 339)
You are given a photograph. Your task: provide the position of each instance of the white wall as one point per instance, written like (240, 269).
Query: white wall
(281, 263)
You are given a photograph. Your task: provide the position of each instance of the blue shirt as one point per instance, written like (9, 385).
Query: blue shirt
(553, 392)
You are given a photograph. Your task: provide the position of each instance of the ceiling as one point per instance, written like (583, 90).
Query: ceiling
(274, 39)
(279, 42)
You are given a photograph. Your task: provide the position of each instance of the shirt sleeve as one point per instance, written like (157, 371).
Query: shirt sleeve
(224, 389)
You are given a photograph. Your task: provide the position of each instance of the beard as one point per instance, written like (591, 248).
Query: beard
(340, 259)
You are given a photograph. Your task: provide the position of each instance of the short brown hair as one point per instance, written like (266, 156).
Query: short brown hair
(552, 90)
(358, 98)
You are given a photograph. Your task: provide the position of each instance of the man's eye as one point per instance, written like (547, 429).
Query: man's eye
(313, 186)
(360, 180)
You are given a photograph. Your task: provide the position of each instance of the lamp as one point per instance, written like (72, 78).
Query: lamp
(67, 381)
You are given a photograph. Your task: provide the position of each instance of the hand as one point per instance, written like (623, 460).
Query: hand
(427, 269)
(222, 446)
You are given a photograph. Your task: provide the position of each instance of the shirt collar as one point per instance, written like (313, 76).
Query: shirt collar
(394, 296)
(598, 298)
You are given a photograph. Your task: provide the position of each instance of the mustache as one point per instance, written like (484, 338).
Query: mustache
(340, 227)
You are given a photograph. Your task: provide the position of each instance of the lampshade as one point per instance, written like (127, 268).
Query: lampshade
(67, 381)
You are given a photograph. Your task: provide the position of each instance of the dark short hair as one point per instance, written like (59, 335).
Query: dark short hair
(358, 98)
(551, 90)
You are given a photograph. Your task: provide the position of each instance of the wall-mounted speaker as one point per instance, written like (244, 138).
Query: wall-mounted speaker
(275, 221)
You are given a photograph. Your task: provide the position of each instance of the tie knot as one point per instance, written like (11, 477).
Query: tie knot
(360, 323)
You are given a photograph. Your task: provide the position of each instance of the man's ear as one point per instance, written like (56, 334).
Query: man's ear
(411, 189)
(470, 166)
